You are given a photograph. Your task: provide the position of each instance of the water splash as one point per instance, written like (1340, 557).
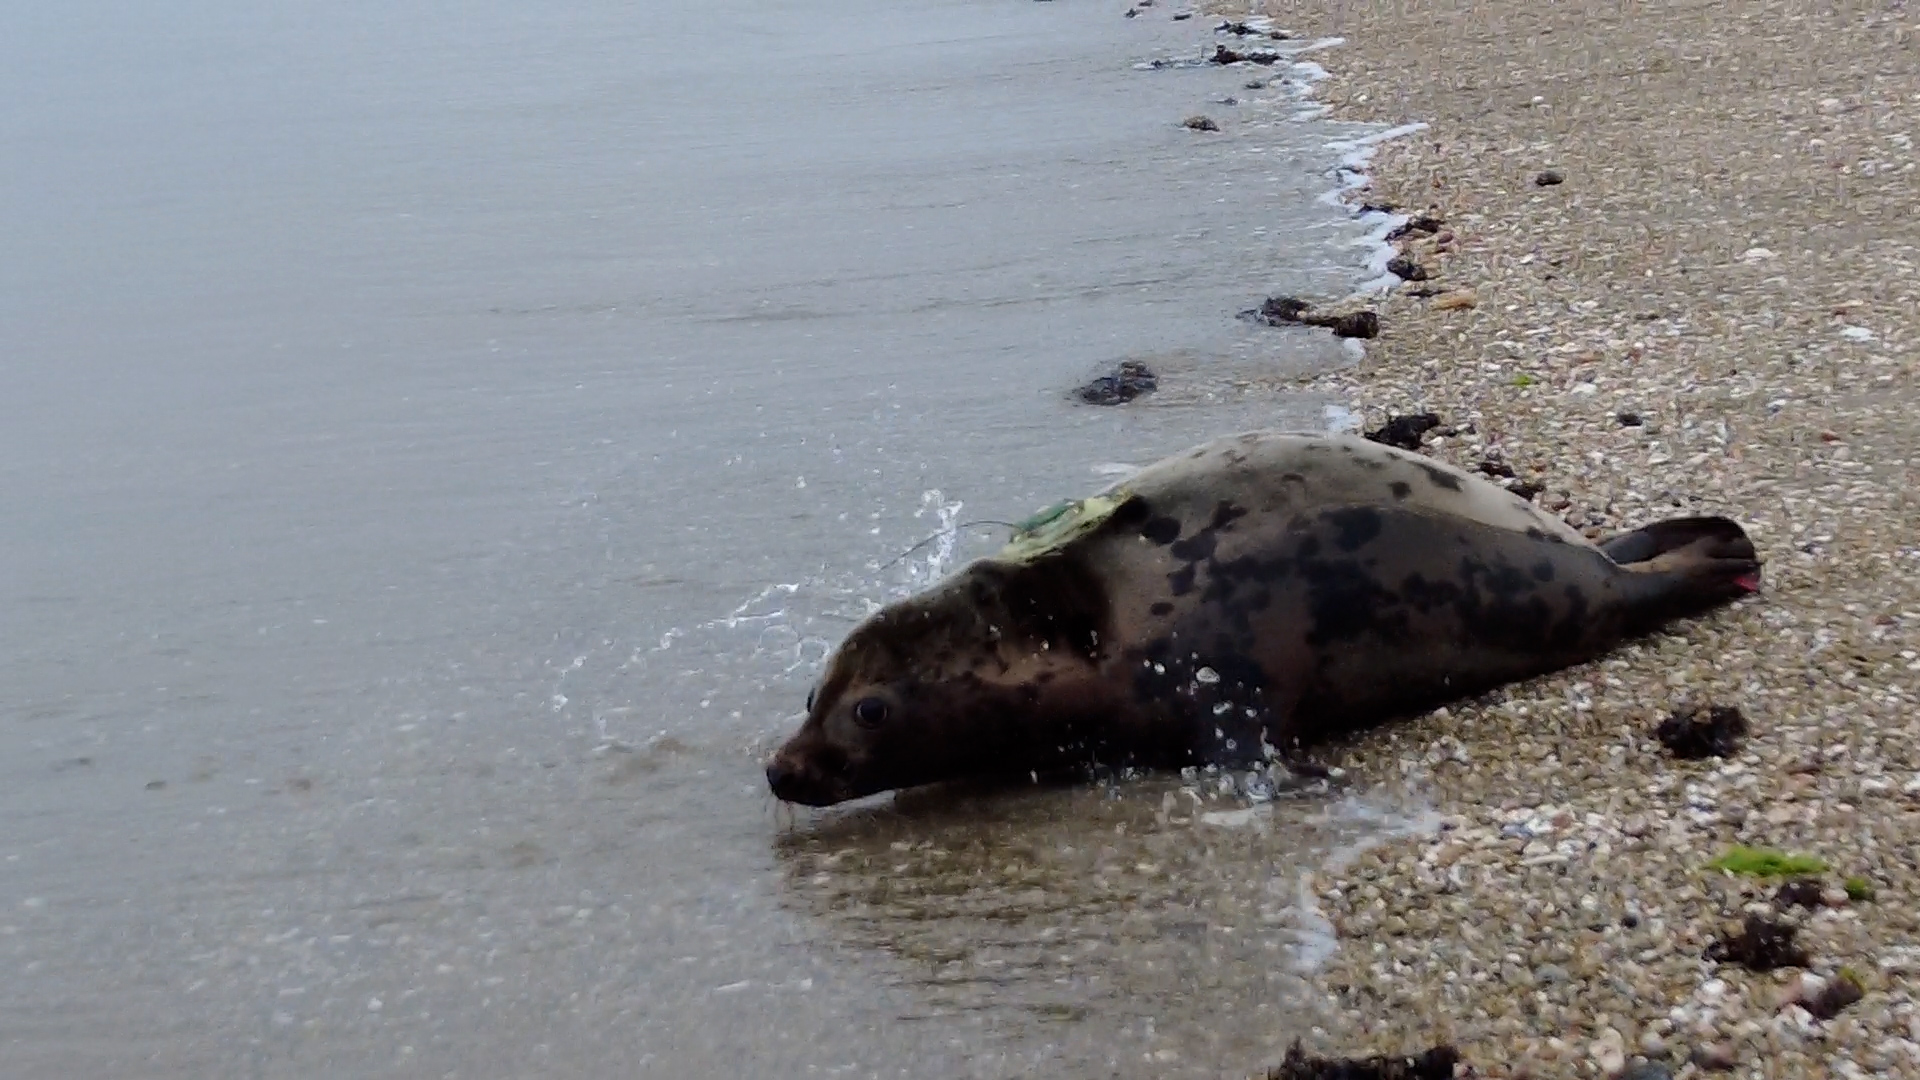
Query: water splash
(939, 560)
(1378, 822)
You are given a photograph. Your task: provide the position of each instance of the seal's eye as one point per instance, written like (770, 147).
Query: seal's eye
(870, 712)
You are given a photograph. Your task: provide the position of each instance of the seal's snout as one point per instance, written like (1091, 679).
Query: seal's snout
(803, 782)
(784, 779)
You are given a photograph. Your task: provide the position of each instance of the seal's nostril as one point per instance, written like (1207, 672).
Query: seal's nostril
(780, 778)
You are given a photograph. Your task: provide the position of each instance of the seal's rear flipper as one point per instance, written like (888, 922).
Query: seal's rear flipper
(1721, 536)
(1688, 565)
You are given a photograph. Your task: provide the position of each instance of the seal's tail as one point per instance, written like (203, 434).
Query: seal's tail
(1690, 565)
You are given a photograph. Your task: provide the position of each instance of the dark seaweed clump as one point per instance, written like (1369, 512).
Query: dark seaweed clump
(1406, 269)
(1420, 225)
(1841, 991)
(1694, 733)
(1405, 431)
(1280, 310)
(1128, 381)
(1762, 944)
(1434, 1064)
(1224, 55)
(1800, 892)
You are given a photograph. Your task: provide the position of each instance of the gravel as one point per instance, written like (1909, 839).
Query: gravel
(1732, 263)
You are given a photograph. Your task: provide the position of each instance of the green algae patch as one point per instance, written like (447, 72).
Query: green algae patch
(1859, 889)
(1766, 862)
(1060, 525)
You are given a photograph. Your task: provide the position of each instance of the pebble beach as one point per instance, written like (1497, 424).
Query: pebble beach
(1672, 271)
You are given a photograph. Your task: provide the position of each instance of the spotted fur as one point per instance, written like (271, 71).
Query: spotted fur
(1252, 594)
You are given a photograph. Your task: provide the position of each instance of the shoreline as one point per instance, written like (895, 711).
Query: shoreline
(1710, 311)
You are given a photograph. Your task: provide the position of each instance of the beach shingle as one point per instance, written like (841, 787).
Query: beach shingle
(1731, 261)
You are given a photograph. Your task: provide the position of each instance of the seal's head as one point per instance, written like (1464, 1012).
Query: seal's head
(981, 673)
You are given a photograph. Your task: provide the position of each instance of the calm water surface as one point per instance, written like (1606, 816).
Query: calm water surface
(438, 444)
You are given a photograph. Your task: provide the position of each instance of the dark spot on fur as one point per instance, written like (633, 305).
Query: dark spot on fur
(1225, 513)
(1162, 608)
(1181, 580)
(1401, 489)
(1424, 596)
(1345, 601)
(1161, 530)
(1357, 525)
(1194, 548)
(1441, 477)
(1543, 570)
(1130, 513)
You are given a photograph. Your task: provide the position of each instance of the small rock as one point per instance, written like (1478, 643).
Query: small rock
(1405, 431)
(1652, 1045)
(1254, 84)
(1762, 944)
(1629, 419)
(1548, 178)
(1647, 1070)
(1200, 123)
(1128, 381)
(1526, 489)
(1457, 299)
(1689, 734)
(1182, 16)
(1406, 269)
(1714, 1057)
(1496, 468)
(1609, 1052)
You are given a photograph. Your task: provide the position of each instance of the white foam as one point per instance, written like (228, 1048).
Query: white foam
(1318, 938)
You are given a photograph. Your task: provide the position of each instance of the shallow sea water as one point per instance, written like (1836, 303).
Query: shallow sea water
(440, 445)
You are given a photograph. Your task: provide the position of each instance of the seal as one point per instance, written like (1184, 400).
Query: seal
(1233, 602)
